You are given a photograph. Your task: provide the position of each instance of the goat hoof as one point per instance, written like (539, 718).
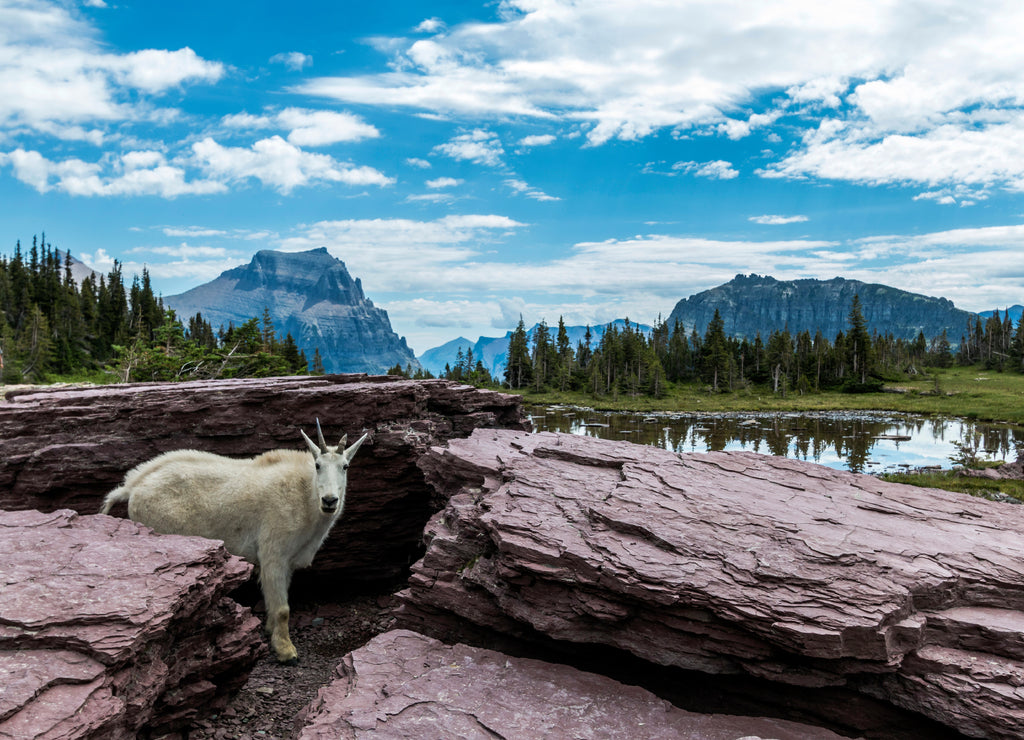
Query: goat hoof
(290, 661)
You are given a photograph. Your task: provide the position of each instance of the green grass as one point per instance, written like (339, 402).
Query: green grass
(952, 480)
(963, 391)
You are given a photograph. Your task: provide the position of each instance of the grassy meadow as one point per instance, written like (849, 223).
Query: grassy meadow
(960, 391)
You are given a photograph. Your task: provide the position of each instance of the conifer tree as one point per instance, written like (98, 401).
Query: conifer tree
(518, 368)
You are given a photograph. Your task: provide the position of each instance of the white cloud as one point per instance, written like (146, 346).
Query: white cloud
(714, 170)
(963, 155)
(133, 174)
(193, 231)
(280, 165)
(293, 60)
(317, 128)
(419, 163)
(54, 75)
(537, 140)
(770, 220)
(479, 146)
(155, 70)
(307, 127)
(945, 77)
(524, 188)
(430, 25)
(443, 182)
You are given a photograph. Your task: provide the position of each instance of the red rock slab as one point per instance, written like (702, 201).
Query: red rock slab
(107, 628)
(68, 447)
(405, 685)
(732, 563)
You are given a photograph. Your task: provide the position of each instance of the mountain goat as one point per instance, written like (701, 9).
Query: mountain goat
(275, 510)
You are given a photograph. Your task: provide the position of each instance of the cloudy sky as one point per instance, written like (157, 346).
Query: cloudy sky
(477, 161)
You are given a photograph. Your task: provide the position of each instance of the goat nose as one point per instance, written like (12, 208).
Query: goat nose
(330, 500)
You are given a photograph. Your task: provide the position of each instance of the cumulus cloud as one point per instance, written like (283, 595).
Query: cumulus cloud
(897, 85)
(54, 74)
(537, 140)
(280, 165)
(479, 146)
(430, 25)
(714, 170)
(307, 127)
(134, 173)
(293, 60)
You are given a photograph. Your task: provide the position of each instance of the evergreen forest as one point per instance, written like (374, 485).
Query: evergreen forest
(631, 362)
(52, 327)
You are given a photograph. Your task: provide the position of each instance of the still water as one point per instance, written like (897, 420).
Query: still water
(862, 442)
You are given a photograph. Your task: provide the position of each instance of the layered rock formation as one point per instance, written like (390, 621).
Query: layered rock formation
(107, 630)
(732, 564)
(405, 685)
(749, 304)
(309, 295)
(66, 448)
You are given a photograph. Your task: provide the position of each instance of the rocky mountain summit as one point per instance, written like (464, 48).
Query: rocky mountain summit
(310, 295)
(749, 304)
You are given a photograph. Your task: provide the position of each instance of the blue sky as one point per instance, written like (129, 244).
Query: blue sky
(474, 162)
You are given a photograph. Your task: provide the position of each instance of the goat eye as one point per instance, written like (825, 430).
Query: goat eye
(317, 464)
(344, 467)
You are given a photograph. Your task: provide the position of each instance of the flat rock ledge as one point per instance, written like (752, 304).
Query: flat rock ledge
(110, 631)
(68, 447)
(405, 685)
(732, 564)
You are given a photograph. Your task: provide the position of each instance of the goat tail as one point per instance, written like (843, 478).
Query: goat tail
(117, 496)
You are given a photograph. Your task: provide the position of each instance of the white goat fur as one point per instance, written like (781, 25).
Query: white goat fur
(275, 510)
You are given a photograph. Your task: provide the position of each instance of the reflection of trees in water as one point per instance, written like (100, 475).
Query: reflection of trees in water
(805, 436)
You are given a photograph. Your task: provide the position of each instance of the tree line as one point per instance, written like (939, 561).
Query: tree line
(52, 326)
(633, 362)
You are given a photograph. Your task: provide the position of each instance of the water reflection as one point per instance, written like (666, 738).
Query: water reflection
(872, 442)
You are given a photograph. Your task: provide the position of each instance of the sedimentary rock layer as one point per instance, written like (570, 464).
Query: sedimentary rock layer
(404, 685)
(66, 448)
(732, 563)
(107, 630)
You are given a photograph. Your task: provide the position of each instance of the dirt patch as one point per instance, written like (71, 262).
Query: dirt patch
(323, 633)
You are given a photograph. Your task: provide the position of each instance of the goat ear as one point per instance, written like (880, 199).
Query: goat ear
(351, 451)
(312, 447)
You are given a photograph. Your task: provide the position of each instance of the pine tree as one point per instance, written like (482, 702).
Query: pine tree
(859, 345)
(518, 368)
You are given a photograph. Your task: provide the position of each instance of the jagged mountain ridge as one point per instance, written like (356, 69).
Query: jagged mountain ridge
(752, 304)
(310, 295)
(493, 351)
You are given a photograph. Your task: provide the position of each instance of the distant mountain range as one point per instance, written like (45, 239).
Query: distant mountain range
(309, 295)
(1015, 312)
(749, 304)
(493, 351)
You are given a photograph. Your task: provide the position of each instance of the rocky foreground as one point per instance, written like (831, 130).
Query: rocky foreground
(732, 564)
(110, 631)
(569, 586)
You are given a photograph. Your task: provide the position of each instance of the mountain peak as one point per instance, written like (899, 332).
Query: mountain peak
(754, 304)
(310, 295)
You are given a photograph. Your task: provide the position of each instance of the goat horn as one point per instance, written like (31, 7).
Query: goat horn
(320, 436)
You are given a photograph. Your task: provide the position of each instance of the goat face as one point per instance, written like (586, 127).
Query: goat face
(330, 480)
(330, 476)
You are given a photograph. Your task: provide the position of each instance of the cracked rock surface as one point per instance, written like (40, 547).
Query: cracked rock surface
(732, 563)
(107, 629)
(405, 685)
